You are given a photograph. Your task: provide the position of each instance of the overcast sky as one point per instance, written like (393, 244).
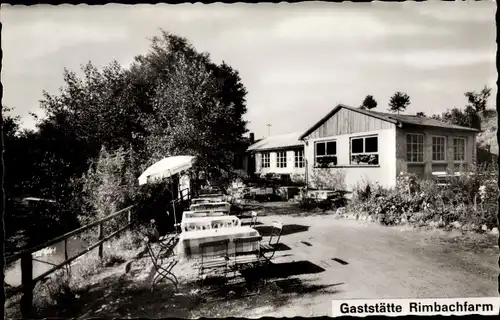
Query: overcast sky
(297, 61)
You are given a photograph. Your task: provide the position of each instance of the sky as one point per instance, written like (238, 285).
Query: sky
(297, 61)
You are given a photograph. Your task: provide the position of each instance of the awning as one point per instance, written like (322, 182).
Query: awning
(166, 168)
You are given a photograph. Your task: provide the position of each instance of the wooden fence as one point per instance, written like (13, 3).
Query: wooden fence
(26, 256)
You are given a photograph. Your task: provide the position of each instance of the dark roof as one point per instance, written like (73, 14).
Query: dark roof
(398, 119)
(277, 142)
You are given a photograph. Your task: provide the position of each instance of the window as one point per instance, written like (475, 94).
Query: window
(414, 148)
(364, 150)
(459, 149)
(438, 148)
(266, 160)
(281, 159)
(299, 159)
(326, 154)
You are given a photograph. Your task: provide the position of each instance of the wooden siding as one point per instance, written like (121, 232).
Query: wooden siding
(347, 122)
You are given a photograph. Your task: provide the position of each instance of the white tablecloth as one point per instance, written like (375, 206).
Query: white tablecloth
(188, 246)
(211, 221)
(206, 200)
(211, 206)
(199, 214)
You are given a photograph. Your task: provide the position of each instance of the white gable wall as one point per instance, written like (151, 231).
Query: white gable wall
(345, 175)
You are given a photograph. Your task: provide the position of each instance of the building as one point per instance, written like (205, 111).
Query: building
(280, 154)
(243, 162)
(352, 145)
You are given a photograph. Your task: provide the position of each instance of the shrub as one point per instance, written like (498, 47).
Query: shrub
(469, 198)
(108, 186)
(334, 201)
(331, 179)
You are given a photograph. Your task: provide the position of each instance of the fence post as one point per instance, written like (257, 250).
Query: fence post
(27, 283)
(129, 215)
(101, 236)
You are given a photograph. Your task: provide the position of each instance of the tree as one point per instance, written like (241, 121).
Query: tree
(173, 100)
(399, 102)
(478, 100)
(197, 105)
(369, 103)
(470, 116)
(421, 114)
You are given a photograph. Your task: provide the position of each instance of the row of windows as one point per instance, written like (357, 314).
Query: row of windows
(415, 148)
(364, 150)
(281, 159)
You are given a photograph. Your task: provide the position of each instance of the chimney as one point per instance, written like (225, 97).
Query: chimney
(252, 137)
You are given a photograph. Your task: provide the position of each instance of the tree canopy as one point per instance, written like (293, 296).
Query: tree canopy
(470, 116)
(399, 102)
(172, 100)
(369, 103)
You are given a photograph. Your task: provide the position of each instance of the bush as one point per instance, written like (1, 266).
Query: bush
(335, 201)
(328, 179)
(108, 186)
(469, 198)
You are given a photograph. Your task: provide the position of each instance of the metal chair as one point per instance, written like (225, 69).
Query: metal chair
(269, 249)
(247, 252)
(253, 220)
(163, 265)
(167, 244)
(214, 255)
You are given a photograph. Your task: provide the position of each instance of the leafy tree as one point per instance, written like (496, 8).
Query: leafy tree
(173, 100)
(478, 100)
(470, 116)
(421, 114)
(369, 103)
(399, 102)
(108, 186)
(197, 106)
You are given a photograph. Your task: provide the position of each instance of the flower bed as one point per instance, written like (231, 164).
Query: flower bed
(467, 201)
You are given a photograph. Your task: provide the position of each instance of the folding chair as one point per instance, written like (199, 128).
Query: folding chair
(247, 252)
(270, 247)
(214, 255)
(167, 244)
(163, 268)
(253, 222)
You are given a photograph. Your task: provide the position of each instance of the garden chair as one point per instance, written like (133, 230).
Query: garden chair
(253, 220)
(167, 244)
(214, 256)
(247, 252)
(269, 249)
(163, 265)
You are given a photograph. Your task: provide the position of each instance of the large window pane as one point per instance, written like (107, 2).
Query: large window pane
(320, 149)
(371, 144)
(357, 145)
(331, 148)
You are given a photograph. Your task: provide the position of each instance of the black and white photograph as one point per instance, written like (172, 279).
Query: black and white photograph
(250, 160)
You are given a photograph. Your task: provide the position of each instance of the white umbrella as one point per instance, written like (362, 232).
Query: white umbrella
(166, 168)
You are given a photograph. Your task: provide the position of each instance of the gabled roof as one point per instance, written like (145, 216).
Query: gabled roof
(277, 142)
(398, 119)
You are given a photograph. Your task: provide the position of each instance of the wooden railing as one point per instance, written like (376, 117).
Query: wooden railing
(27, 280)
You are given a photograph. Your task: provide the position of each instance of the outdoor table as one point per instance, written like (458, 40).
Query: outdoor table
(221, 206)
(206, 213)
(206, 200)
(188, 246)
(213, 222)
